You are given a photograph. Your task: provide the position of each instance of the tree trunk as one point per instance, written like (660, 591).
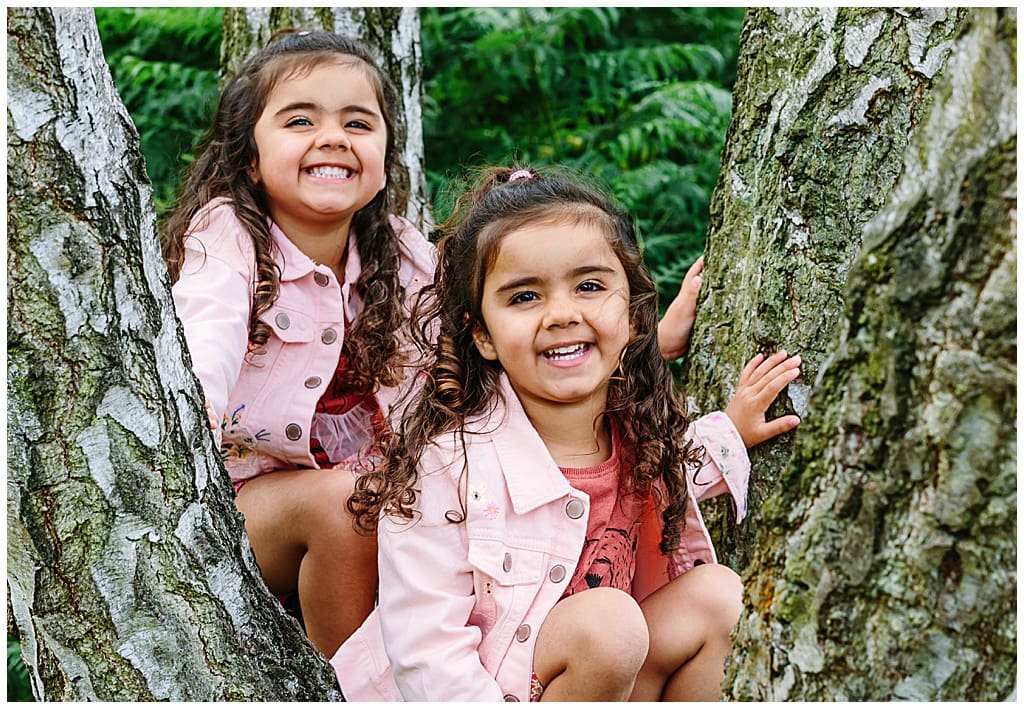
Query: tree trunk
(129, 575)
(392, 34)
(865, 218)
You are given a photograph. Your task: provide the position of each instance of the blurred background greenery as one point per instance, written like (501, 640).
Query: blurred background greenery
(637, 97)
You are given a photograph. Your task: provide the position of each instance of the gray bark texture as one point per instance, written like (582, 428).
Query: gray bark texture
(392, 34)
(865, 217)
(128, 573)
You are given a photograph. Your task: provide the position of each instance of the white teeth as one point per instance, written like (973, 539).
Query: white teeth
(335, 172)
(565, 352)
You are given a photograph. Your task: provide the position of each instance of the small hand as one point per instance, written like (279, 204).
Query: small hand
(674, 329)
(761, 381)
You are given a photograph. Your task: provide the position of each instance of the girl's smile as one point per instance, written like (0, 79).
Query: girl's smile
(555, 307)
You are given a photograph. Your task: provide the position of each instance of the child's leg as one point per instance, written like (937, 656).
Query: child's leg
(303, 540)
(690, 620)
(590, 647)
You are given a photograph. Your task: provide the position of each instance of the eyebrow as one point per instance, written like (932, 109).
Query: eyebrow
(313, 106)
(532, 280)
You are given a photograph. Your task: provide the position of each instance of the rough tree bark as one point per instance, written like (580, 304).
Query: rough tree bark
(392, 34)
(128, 572)
(865, 217)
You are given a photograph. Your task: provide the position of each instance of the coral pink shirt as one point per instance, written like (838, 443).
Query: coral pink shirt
(613, 525)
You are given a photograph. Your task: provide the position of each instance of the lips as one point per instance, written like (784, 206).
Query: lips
(330, 172)
(566, 352)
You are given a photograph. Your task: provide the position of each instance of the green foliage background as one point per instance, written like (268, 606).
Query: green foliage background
(637, 97)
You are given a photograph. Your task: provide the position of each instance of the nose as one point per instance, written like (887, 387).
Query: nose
(333, 137)
(561, 311)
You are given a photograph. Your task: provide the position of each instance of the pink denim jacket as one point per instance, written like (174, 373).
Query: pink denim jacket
(461, 604)
(261, 404)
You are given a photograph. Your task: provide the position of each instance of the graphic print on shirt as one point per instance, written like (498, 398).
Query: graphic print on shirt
(607, 561)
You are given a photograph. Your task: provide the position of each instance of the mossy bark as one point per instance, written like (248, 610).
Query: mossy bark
(392, 34)
(129, 575)
(865, 218)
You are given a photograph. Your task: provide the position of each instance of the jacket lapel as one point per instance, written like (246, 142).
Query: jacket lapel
(531, 475)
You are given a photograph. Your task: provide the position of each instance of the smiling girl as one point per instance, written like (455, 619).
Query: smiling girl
(537, 509)
(291, 278)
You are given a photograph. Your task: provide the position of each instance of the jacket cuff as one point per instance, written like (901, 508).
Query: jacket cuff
(724, 447)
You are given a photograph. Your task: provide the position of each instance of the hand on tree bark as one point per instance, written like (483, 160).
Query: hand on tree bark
(760, 382)
(674, 329)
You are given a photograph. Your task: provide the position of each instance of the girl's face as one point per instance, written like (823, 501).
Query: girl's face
(555, 307)
(321, 141)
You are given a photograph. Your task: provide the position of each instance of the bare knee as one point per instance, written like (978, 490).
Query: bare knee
(718, 595)
(606, 640)
(327, 506)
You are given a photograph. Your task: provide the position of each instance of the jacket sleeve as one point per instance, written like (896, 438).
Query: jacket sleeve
(426, 599)
(726, 466)
(212, 299)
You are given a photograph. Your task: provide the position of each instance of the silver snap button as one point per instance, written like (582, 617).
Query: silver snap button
(282, 320)
(312, 382)
(557, 573)
(321, 279)
(511, 698)
(329, 336)
(293, 431)
(507, 563)
(523, 633)
(575, 508)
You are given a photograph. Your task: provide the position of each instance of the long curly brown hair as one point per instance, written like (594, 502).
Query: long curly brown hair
(222, 169)
(461, 384)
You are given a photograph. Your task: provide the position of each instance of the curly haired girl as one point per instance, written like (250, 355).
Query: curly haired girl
(537, 512)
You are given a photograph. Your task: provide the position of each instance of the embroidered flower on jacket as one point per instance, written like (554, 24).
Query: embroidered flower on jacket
(491, 510)
(236, 441)
(477, 495)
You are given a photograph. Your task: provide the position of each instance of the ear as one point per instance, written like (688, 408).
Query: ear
(483, 343)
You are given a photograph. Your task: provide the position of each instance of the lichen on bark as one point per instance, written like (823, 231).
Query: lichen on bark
(884, 566)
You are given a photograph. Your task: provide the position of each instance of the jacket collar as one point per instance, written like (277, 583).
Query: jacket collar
(296, 265)
(531, 475)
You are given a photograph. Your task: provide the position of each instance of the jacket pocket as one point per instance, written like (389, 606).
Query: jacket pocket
(507, 564)
(504, 577)
(290, 326)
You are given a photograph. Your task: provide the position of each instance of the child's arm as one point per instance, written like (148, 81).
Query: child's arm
(212, 300)
(674, 329)
(427, 598)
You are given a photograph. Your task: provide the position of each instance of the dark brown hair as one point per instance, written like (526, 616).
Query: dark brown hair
(461, 383)
(222, 169)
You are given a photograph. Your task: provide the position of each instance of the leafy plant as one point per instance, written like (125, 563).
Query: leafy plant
(637, 97)
(18, 688)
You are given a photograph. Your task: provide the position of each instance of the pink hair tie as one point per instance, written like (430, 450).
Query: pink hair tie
(520, 175)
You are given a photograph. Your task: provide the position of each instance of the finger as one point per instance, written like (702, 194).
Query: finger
(692, 279)
(777, 427)
(696, 268)
(773, 383)
(764, 371)
(748, 371)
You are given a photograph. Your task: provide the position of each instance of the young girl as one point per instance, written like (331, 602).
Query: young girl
(291, 280)
(540, 537)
